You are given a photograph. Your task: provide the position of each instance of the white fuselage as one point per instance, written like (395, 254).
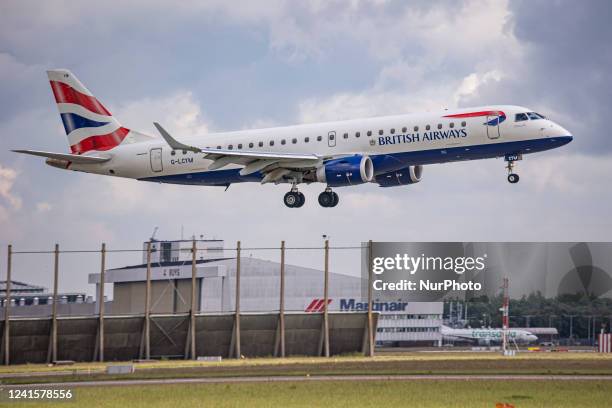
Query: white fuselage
(393, 142)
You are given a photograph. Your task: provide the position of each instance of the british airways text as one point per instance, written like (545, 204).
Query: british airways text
(425, 137)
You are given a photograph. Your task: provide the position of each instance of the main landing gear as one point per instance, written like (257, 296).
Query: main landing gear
(513, 178)
(328, 198)
(294, 199)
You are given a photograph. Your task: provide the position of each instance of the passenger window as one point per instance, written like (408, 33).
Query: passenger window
(380, 132)
(451, 125)
(416, 128)
(463, 124)
(240, 145)
(230, 147)
(271, 142)
(520, 117)
(392, 131)
(184, 151)
(357, 134)
(427, 127)
(172, 153)
(404, 129)
(319, 138)
(294, 141)
(260, 144)
(369, 133)
(219, 147)
(251, 145)
(346, 135)
(306, 139)
(439, 126)
(332, 136)
(283, 141)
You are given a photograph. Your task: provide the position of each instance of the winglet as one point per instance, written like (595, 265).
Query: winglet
(172, 142)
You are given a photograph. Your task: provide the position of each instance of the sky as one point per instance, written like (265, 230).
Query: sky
(199, 67)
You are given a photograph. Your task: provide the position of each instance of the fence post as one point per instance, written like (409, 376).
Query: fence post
(101, 301)
(282, 300)
(237, 319)
(193, 300)
(7, 305)
(148, 305)
(371, 336)
(54, 306)
(326, 300)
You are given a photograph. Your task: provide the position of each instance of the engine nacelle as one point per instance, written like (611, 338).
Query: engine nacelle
(408, 175)
(346, 171)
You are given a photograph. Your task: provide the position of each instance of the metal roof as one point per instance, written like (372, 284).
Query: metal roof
(17, 286)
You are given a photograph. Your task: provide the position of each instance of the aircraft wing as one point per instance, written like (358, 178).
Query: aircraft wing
(74, 158)
(273, 164)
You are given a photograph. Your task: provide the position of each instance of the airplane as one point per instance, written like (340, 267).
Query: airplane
(487, 335)
(388, 151)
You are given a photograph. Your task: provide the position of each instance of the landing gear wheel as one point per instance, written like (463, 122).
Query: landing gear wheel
(292, 199)
(336, 199)
(513, 178)
(326, 199)
(301, 200)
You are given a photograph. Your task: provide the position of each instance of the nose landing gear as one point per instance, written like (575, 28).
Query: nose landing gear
(328, 198)
(513, 178)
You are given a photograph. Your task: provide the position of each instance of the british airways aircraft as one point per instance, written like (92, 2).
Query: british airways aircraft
(389, 151)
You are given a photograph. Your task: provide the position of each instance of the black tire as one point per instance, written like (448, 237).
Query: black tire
(326, 199)
(291, 199)
(336, 199)
(301, 200)
(513, 178)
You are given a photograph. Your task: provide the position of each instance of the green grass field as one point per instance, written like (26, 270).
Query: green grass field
(425, 394)
(406, 363)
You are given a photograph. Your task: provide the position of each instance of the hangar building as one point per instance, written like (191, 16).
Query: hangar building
(400, 323)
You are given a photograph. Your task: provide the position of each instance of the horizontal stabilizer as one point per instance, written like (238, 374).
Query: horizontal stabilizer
(74, 158)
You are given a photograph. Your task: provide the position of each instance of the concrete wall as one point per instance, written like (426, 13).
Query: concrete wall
(215, 336)
(167, 296)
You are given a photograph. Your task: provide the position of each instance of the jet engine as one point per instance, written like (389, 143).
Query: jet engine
(401, 177)
(346, 171)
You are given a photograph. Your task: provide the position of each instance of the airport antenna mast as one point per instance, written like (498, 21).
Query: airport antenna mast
(505, 316)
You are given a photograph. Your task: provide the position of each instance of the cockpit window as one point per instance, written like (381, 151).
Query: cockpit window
(534, 116)
(520, 117)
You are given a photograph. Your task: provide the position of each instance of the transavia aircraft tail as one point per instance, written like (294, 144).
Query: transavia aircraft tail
(389, 151)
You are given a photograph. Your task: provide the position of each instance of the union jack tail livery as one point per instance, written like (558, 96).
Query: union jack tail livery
(88, 124)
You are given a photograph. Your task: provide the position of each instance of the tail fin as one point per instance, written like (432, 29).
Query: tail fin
(88, 124)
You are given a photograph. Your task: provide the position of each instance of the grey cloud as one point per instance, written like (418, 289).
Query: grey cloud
(565, 67)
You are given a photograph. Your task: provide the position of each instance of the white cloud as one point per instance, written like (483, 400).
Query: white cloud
(470, 84)
(179, 113)
(432, 58)
(7, 181)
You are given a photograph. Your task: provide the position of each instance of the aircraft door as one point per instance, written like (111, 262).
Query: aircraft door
(156, 160)
(331, 139)
(493, 126)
